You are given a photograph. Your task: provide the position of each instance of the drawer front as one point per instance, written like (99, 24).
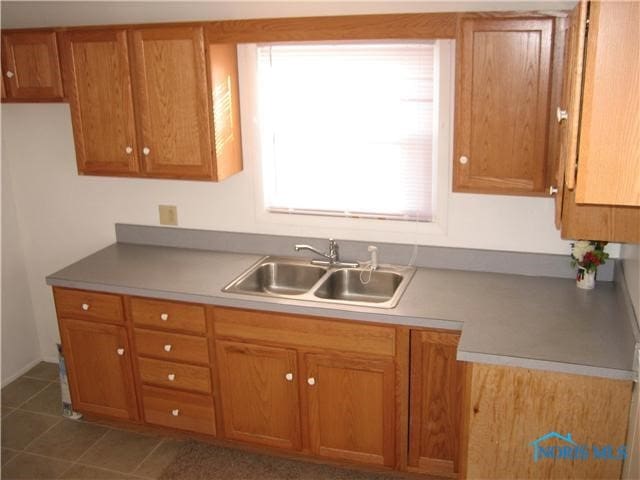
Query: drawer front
(168, 315)
(172, 346)
(175, 375)
(185, 411)
(308, 332)
(82, 304)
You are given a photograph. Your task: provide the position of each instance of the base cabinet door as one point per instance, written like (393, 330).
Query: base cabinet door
(351, 408)
(435, 405)
(259, 393)
(99, 365)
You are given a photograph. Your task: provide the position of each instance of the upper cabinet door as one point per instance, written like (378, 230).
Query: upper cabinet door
(170, 81)
(609, 151)
(31, 66)
(503, 88)
(96, 70)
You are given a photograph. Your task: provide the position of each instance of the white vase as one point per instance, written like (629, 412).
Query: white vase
(586, 280)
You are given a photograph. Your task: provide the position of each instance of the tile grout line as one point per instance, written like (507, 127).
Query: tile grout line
(162, 440)
(24, 449)
(32, 396)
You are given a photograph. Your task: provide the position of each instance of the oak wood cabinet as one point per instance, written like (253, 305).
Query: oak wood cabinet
(145, 102)
(31, 67)
(436, 403)
(503, 86)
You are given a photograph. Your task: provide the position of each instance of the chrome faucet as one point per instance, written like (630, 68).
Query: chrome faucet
(333, 257)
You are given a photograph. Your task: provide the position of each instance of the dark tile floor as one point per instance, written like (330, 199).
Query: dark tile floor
(39, 443)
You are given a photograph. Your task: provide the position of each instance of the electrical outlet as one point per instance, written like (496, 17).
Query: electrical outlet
(168, 214)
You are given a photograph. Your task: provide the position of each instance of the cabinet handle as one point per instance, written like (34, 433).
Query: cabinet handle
(167, 347)
(164, 317)
(289, 377)
(553, 190)
(129, 150)
(120, 351)
(171, 377)
(175, 412)
(463, 160)
(311, 381)
(146, 151)
(85, 306)
(9, 74)
(561, 115)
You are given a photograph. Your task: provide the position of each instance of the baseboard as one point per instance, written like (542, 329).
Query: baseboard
(23, 370)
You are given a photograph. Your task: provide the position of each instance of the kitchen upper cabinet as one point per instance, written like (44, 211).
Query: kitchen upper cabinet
(31, 67)
(351, 405)
(609, 145)
(97, 74)
(504, 68)
(436, 403)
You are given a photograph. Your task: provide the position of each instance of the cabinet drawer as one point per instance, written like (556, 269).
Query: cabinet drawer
(175, 375)
(172, 346)
(103, 307)
(304, 331)
(185, 411)
(168, 315)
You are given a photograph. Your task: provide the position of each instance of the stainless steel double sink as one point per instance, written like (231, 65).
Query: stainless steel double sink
(295, 278)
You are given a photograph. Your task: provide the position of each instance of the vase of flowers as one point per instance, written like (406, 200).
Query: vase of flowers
(587, 255)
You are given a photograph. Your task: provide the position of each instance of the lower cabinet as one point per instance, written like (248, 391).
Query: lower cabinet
(98, 361)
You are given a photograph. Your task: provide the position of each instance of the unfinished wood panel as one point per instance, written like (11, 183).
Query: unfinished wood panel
(259, 391)
(99, 367)
(175, 375)
(350, 27)
(223, 74)
(351, 408)
(174, 347)
(98, 81)
(184, 411)
(31, 65)
(86, 305)
(170, 81)
(304, 331)
(502, 103)
(512, 407)
(436, 399)
(609, 155)
(167, 315)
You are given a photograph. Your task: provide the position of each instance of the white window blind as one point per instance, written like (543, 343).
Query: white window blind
(347, 128)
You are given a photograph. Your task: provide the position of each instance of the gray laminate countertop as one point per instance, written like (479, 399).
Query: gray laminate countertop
(531, 322)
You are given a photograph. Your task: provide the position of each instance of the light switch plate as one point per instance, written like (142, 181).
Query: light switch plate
(168, 214)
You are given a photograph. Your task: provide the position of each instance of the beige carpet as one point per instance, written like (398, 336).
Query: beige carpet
(199, 461)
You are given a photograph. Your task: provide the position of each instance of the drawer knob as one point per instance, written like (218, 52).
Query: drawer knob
(146, 151)
(120, 351)
(561, 115)
(9, 74)
(289, 377)
(128, 150)
(164, 317)
(311, 381)
(167, 348)
(85, 306)
(175, 412)
(552, 190)
(464, 160)
(171, 377)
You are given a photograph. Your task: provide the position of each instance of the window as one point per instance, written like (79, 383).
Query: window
(349, 129)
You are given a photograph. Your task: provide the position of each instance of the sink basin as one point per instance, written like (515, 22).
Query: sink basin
(298, 279)
(357, 285)
(280, 278)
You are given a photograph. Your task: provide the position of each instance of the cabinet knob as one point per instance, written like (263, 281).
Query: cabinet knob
(553, 190)
(129, 150)
(463, 160)
(289, 377)
(167, 347)
(9, 74)
(164, 317)
(120, 351)
(85, 306)
(175, 412)
(311, 381)
(146, 151)
(561, 115)
(171, 377)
